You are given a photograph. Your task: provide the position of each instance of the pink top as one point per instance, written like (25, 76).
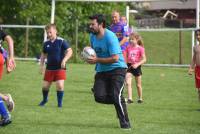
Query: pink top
(134, 53)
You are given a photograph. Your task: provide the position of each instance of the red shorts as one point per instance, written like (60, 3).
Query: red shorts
(197, 76)
(54, 75)
(1, 65)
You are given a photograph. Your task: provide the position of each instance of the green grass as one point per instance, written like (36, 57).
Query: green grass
(163, 47)
(170, 104)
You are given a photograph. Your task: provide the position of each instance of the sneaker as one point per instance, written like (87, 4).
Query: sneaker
(125, 126)
(42, 103)
(10, 103)
(140, 101)
(60, 105)
(92, 89)
(5, 121)
(129, 101)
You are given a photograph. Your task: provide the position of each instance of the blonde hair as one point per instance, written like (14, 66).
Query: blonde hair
(138, 38)
(48, 26)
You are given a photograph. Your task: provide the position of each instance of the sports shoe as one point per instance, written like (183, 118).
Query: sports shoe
(5, 120)
(60, 105)
(10, 103)
(125, 126)
(42, 103)
(129, 101)
(92, 89)
(140, 101)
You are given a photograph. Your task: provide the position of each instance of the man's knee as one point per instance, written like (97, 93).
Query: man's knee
(104, 99)
(99, 99)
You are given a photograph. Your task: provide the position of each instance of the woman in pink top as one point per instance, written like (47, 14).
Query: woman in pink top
(135, 58)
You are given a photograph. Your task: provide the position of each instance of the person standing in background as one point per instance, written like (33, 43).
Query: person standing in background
(58, 52)
(135, 58)
(118, 27)
(195, 63)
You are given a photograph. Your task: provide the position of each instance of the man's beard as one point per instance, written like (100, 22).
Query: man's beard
(93, 31)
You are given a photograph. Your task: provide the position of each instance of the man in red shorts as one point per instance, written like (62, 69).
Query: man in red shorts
(58, 52)
(5, 116)
(195, 64)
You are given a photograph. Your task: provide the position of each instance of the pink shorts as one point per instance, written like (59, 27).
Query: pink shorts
(54, 75)
(197, 76)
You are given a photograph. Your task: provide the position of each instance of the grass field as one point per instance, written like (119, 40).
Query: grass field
(164, 48)
(170, 104)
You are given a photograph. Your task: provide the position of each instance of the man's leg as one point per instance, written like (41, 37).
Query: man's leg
(117, 86)
(45, 91)
(60, 92)
(100, 89)
(5, 116)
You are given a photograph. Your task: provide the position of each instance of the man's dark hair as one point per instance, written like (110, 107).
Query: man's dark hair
(100, 19)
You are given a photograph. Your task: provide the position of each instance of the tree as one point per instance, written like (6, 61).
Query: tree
(39, 12)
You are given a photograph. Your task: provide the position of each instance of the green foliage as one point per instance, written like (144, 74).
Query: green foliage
(164, 48)
(161, 47)
(38, 12)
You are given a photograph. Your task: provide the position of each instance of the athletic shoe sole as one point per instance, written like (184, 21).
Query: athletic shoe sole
(10, 103)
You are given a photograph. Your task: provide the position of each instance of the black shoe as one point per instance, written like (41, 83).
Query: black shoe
(129, 101)
(5, 121)
(140, 101)
(92, 89)
(125, 126)
(42, 103)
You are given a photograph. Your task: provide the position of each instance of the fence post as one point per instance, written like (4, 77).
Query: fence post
(180, 44)
(26, 39)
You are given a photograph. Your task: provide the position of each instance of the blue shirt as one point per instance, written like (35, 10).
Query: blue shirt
(55, 52)
(105, 47)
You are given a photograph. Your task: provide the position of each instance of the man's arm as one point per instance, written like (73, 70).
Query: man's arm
(42, 62)
(68, 55)
(10, 43)
(142, 61)
(11, 61)
(112, 59)
(191, 68)
(192, 64)
(124, 40)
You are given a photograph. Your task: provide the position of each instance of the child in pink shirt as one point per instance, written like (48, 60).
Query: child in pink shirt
(135, 58)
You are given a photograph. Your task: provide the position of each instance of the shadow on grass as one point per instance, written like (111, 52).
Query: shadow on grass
(198, 110)
(170, 108)
(68, 124)
(175, 123)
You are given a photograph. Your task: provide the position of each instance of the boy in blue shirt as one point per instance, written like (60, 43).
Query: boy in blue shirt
(58, 52)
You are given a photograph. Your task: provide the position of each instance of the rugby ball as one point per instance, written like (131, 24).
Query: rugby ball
(88, 52)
